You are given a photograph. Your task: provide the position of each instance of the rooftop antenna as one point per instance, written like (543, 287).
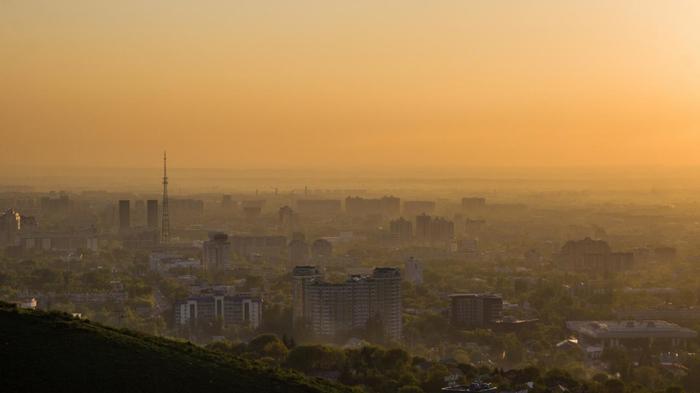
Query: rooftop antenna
(165, 222)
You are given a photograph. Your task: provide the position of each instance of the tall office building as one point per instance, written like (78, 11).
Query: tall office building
(475, 309)
(333, 309)
(152, 213)
(216, 252)
(124, 215)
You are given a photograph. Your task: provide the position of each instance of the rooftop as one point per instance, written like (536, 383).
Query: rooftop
(630, 329)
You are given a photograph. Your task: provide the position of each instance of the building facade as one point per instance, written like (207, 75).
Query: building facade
(124, 215)
(631, 333)
(152, 213)
(301, 275)
(333, 309)
(593, 256)
(239, 309)
(401, 229)
(216, 252)
(413, 271)
(475, 309)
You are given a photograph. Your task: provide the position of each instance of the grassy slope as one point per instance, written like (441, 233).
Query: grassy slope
(49, 352)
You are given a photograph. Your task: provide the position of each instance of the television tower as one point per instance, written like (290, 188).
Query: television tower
(165, 223)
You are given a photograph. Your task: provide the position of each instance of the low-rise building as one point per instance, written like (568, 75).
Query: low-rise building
(163, 262)
(631, 333)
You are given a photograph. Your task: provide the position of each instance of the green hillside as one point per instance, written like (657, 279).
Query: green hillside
(49, 352)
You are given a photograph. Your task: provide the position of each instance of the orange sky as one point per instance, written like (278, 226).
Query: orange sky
(250, 84)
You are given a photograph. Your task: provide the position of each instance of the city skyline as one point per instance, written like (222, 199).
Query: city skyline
(405, 196)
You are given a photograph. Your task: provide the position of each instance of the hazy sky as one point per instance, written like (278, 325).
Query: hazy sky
(250, 84)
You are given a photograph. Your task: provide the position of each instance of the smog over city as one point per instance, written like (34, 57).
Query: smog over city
(350, 196)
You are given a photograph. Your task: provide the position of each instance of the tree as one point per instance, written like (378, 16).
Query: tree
(96, 279)
(410, 389)
(307, 358)
(268, 345)
(618, 360)
(435, 378)
(691, 381)
(275, 350)
(613, 386)
(41, 278)
(559, 377)
(394, 361)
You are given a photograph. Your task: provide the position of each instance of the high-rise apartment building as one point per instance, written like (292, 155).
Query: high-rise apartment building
(216, 252)
(401, 229)
(301, 275)
(152, 213)
(594, 256)
(413, 271)
(138, 218)
(239, 309)
(423, 227)
(441, 230)
(124, 215)
(385, 300)
(331, 309)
